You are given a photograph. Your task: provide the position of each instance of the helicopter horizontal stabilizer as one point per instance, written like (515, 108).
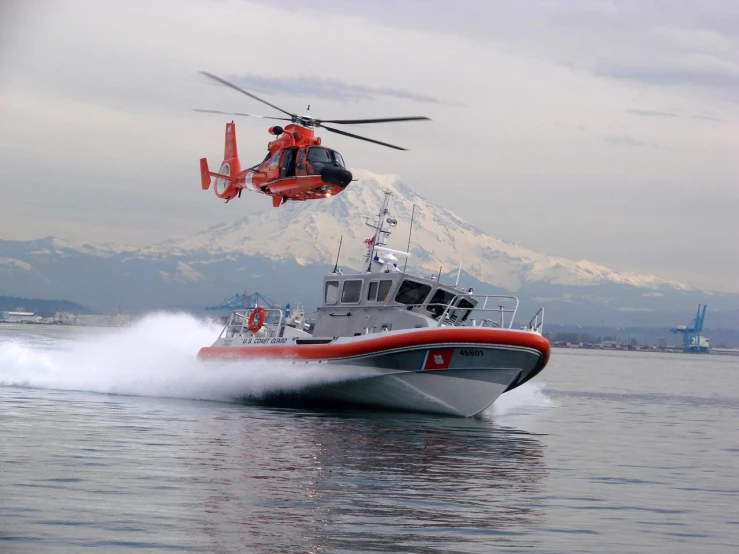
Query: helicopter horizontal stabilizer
(204, 174)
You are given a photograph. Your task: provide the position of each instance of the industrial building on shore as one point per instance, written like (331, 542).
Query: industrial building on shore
(63, 318)
(17, 316)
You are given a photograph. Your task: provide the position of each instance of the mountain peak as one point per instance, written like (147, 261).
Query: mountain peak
(309, 232)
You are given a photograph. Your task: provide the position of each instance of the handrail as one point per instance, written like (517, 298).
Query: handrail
(445, 319)
(238, 323)
(537, 322)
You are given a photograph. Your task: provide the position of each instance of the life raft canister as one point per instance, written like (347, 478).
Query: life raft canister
(256, 319)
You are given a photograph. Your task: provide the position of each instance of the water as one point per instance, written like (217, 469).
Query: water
(120, 441)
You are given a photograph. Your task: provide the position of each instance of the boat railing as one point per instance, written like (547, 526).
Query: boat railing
(451, 313)
(536, 324)
(238, 323)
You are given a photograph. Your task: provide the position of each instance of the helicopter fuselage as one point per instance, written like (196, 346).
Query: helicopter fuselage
(297, 167)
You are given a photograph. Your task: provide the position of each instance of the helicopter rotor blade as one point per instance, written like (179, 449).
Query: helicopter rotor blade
(249, 94)
(380, 120)
(359, 137)
(241, 114)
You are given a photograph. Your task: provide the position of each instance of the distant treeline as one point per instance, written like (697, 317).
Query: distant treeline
(43, 308)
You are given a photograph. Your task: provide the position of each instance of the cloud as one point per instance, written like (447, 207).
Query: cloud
(329, 89)
(701, 71)
(651, 113)
(633, 310)
(625, 140)
(655, 113)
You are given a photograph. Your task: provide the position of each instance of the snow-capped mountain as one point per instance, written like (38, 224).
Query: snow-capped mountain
(285, 252)
(309, 233)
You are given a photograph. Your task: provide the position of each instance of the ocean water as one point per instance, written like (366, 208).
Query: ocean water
(120, 441)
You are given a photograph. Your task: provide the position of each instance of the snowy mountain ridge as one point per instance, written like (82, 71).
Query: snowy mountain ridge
(309, 233)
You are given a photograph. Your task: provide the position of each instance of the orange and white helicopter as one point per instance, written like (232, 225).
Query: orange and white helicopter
(297, 166)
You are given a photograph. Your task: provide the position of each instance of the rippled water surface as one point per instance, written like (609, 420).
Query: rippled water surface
(120, 441)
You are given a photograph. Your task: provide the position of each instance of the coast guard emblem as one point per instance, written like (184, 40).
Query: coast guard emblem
(439, 358)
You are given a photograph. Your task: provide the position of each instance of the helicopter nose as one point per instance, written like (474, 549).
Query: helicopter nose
(336, 175)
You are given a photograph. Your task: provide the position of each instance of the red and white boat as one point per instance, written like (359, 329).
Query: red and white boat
(405, 342)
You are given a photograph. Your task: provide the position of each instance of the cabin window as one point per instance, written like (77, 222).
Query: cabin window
(384, 290)
(412, 292)
(463, 311)
(378, 290)
(300, 165)
(338, 159)
(439, 301)
(288, 163)
(351, 292)
(332, 292)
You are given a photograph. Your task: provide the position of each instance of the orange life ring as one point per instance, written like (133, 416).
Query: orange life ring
(256, 319)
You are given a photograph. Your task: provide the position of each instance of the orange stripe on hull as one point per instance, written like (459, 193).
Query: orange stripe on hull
(491, 337)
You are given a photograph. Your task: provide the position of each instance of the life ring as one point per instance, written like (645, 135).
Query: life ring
(256, 319)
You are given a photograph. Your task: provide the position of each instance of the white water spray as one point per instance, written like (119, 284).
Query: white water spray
(525, 400)
(155, 357)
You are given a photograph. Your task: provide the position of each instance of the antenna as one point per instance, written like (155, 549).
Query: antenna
(459, 271)
(439, 277)
(336, 265)
(378, 227)
(410, 230)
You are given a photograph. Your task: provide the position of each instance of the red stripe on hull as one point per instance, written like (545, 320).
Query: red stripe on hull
(501, 337)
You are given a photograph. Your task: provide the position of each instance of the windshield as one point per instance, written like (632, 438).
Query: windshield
(412, 292)
(319, 155)
(439, 302)
(338, 159)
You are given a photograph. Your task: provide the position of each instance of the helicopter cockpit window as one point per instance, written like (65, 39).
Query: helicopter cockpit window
(319, 155)
(338, 159)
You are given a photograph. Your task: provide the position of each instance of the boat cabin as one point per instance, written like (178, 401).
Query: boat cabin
(383, 298)
(374, 302)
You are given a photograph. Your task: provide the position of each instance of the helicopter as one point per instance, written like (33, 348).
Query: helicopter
(297, 166)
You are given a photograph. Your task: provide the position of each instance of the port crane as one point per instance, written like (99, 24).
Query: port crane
(692, 340)
(240, 301)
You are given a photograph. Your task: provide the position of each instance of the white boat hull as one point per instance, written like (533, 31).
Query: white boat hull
(454, 392)
(452, 371)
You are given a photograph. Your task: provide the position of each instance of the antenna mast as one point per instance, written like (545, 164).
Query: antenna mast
(410, 230)
(378, 227)
(336, 265)
(459, 271)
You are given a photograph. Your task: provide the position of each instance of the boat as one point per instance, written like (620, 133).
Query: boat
(398, 341)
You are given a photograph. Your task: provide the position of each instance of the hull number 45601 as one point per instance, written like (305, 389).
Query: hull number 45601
(471, 352)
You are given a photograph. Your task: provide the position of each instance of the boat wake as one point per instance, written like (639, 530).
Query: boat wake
(155, 357)
(524, 401)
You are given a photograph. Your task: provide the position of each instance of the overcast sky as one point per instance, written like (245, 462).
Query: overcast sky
(606, 131)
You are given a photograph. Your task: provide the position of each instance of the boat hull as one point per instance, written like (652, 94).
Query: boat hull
(462, 393)
(453, 371)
